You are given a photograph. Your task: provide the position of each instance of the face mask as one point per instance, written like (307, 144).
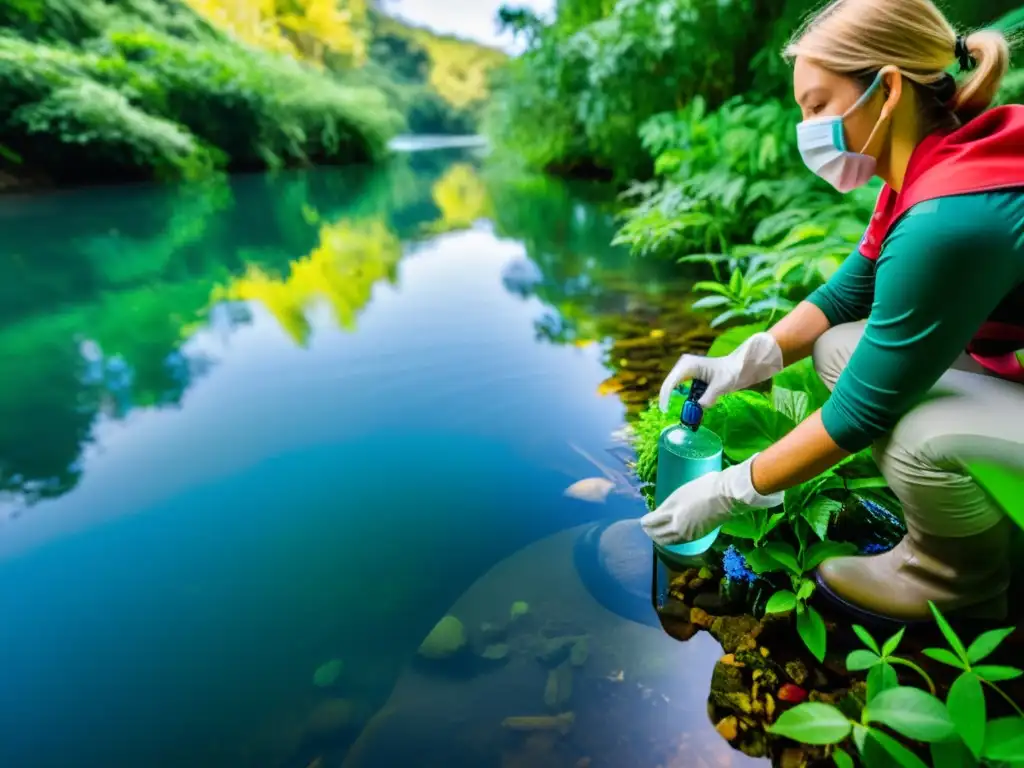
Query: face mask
(823, 148)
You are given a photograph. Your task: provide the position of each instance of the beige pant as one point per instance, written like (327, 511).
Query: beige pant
(968, 415)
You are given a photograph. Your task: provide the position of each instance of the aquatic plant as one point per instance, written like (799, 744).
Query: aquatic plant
(957, 731)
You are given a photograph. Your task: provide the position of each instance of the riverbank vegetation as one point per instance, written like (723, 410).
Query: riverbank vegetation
(136, 89)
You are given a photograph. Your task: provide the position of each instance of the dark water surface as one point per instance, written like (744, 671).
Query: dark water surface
(249, 428)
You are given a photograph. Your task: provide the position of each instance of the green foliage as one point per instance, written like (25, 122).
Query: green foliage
(575, 102)
(577, 98)
(794, 539)
(957, 731)
(135, 89)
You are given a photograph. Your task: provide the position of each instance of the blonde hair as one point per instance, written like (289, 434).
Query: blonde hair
(859, 37)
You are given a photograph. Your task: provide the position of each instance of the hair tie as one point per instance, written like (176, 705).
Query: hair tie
(964, 57)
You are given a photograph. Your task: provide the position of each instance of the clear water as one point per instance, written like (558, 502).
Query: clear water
(249, 428)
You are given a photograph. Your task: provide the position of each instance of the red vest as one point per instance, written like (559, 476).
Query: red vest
(984, 155)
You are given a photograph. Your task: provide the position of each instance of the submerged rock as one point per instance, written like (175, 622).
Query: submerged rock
(736, 632)
(558, 689)
(327, 674)
(446, 639)
(580, 652)
(495, 652)
(519, 609)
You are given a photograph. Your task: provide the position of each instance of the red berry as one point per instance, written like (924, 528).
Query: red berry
(791, 693)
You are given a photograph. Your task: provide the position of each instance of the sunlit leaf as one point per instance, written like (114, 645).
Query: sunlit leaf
(860, 660)
(986, 643)
(1004, 739)
(901, 754)
(911, 712)
(812, 723)
(811, 628)
(966, 705)
(881, 677)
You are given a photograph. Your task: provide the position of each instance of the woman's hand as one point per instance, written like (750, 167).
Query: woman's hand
(695, 509)
(756, 359)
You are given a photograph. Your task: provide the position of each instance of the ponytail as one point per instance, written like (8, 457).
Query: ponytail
(989, 55)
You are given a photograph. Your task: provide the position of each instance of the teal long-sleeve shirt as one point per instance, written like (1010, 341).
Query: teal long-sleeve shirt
(943, 270)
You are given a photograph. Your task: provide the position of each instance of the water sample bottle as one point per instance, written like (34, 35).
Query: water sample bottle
(685, 452)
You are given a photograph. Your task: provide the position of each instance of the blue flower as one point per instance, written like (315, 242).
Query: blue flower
(735, 566)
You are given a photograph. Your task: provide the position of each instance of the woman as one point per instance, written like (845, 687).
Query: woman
(915, 333)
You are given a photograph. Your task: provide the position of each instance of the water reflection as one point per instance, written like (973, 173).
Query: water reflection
(250, 428)
(571, 683)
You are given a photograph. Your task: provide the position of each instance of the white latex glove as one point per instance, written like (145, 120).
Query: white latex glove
(694, 510)
(755, 360)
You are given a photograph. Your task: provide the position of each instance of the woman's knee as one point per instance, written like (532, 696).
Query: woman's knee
(925, 460)
(833, 350)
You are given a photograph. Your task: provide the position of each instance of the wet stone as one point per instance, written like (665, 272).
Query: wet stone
(580, 652)
(558, 689)
(554, 651)
(495, 652)
(797, 671)
(728, 728)
(736, 632)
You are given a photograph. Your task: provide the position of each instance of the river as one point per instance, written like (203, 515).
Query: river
(259, 436)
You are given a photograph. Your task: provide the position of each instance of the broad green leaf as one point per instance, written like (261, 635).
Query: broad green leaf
(801, 377)
(860, 660)
(781, 602)
(866, 638)
(730, 340)
(794, 405)
(901, 754)
(943, 656)
(881, 677)
(860, 734)
(912, 713)
(746, 423)
(812, 723)
(761, 562)
(997, 674)
(952, 753)
(966, 705)
(742, 526)
(1004, 739)
(820, 513)
(773, 521)
(949, 634)
(893, 643)
(807, 587)
(842, 760)
(811, 628)
(985, 643)
(784, 554)
(824, 550)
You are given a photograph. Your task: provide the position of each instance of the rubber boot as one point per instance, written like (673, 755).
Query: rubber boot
(968, 577)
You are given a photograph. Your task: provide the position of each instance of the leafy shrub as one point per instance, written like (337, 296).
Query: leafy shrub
(194, 98)
(956, 732)
(794, 539)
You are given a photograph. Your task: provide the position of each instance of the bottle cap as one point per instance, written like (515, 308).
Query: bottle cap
(692, 414)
